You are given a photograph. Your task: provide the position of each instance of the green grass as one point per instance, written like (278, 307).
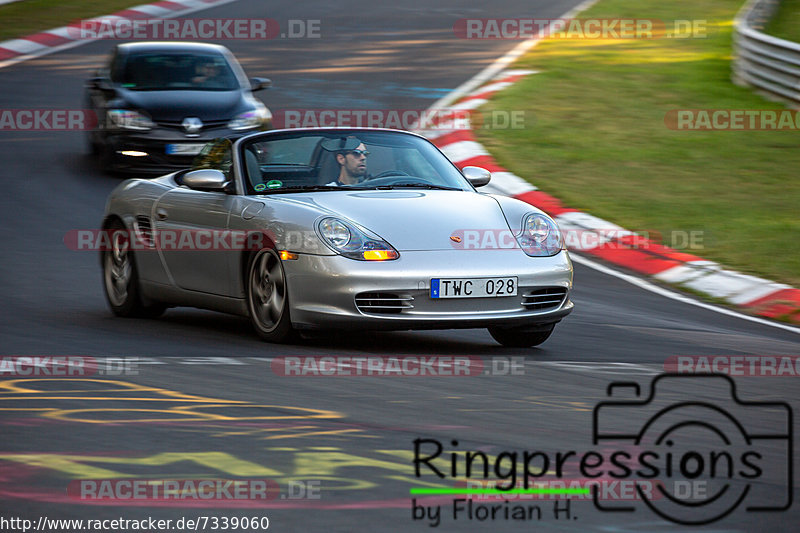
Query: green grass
(600, 144)
(786, 22)
(31, 16)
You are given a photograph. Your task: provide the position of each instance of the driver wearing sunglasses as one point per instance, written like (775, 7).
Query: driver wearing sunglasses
(353, 165)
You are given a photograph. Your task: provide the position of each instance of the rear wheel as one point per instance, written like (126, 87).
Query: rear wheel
(521, 338)
(121, 279)
(268, 298)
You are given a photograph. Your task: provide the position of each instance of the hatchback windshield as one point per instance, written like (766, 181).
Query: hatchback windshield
(336, 160)
(160, 71)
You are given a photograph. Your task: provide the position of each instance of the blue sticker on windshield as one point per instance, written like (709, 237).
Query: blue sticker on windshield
(260, 187)
(274, 184)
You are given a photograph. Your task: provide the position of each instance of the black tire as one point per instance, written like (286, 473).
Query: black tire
(521, 338)
(121, 279)
(91, 145)
(268, 298)
(105, 159)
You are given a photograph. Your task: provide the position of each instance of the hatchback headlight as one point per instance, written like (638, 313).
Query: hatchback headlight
(255, 118)
(127, 119)
(353, 241)
(540, 236)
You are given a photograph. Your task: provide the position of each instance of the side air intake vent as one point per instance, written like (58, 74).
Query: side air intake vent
(542, 299)
(382, 303)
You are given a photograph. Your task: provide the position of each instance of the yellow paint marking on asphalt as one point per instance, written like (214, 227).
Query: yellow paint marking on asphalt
(315, 433)
(11, 384)
(75, 465)
(233, 403)
(418, 481)
(319, 413)
(316, 463)
(65, 415)
(178, 413)
(254, 431)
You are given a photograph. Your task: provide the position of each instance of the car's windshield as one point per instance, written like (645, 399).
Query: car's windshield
(163, 71)
(339, 160)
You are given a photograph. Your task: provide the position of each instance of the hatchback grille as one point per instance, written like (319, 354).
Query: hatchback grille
(383, 303)
(544, 298)
(144, 230)
(211, 124)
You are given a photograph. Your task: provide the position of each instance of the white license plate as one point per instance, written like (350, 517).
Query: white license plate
(473, 287)
(184, 149)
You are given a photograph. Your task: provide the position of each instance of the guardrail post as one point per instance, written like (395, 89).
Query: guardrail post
(761, 61)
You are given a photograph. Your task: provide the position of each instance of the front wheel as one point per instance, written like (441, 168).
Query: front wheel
(520, 338)
(268, 298)
(121, 279)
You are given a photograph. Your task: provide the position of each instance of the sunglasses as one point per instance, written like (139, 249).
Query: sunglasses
(365, 153)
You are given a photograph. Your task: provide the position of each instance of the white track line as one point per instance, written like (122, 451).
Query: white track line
(646, 285)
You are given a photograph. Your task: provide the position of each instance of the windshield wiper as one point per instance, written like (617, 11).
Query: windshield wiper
(417, 186)
(309, 188)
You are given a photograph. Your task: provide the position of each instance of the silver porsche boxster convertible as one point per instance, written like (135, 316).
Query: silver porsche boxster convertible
(335, 228)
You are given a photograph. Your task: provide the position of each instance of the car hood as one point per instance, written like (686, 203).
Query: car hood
(418, 219)
(174, 106)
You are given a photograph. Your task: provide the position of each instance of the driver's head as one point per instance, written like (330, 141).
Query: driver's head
(353, 163)
(208, 69)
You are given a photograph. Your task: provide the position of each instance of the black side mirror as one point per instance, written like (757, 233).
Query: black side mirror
(256, 84)
(100, 83)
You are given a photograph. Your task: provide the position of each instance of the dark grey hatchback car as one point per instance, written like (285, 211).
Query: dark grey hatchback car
(158, 103)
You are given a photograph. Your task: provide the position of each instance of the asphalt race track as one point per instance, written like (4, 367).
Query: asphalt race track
(207, 399)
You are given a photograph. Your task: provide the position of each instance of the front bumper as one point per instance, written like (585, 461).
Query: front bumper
(154, 143)
(323, 290)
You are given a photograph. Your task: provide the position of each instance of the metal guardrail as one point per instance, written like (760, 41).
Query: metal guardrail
(762, 61)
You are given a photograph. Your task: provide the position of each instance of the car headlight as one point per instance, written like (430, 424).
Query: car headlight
(129, 120)
(353, 241)
(540, 236)
(254, 118)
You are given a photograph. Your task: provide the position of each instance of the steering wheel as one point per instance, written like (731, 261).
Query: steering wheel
(387, 173)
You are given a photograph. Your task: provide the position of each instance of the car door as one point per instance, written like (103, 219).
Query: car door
(194, 244)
